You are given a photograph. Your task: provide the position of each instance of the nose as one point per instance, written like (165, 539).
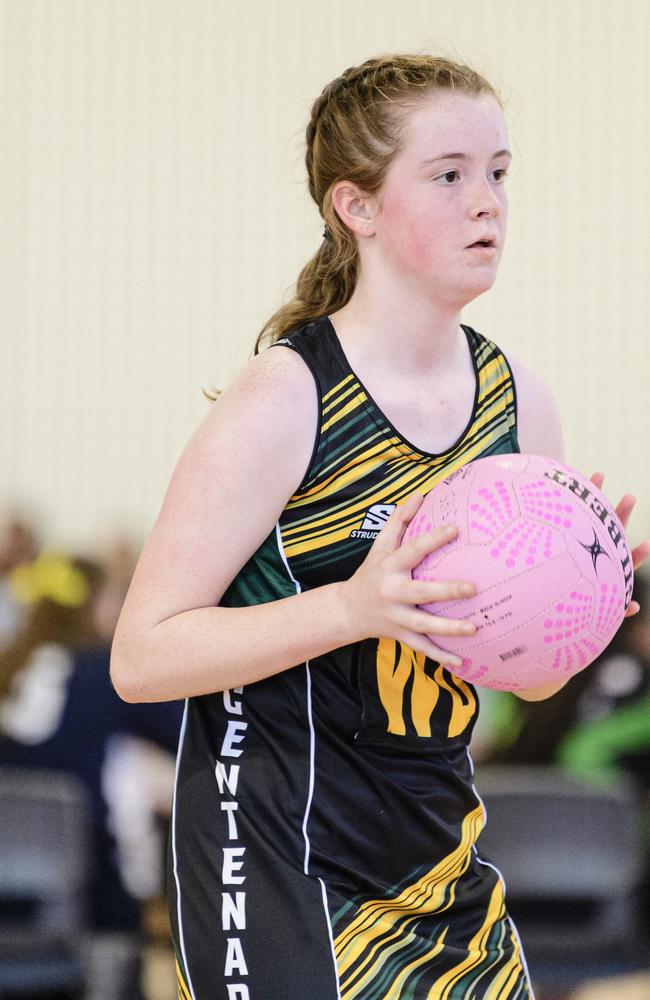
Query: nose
(485, 200)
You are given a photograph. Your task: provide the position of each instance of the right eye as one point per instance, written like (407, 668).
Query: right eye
(447, 173)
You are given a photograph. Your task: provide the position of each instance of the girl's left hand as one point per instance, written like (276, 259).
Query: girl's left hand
(623, 511)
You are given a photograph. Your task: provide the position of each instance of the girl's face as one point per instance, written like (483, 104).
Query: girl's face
(430, 212)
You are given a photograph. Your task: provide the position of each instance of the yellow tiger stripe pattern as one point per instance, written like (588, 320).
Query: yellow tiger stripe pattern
(477, 951)
(395, 664)
(463, 701)
(356, 991)
(183, 991)
(357, 947)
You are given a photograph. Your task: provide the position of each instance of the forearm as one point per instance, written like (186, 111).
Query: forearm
(210, 649)
(541, 693)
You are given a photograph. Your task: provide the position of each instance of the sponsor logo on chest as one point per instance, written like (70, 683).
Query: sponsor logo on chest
(374, 520)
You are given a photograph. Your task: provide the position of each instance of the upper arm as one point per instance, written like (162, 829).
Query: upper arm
(243, 462)
(539, 427)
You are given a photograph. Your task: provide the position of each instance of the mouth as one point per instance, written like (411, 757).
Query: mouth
(491, 242)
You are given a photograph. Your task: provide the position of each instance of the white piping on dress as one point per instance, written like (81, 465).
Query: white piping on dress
(176, 879)
(488, 864)
(312, 758)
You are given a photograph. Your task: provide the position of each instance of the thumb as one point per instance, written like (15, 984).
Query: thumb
(391, 535)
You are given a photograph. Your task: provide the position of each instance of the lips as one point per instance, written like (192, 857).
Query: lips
(486, 241)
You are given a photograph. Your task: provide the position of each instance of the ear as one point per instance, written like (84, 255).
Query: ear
(355, 208)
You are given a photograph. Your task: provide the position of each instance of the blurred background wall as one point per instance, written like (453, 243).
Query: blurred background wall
(154, 212)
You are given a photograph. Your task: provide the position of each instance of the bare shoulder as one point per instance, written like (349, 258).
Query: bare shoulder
(231, 482)
(539, 426)
(261, 430)
(264, 423)
(270, 378)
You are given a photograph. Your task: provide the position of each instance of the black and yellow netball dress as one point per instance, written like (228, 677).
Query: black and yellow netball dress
(325, 820)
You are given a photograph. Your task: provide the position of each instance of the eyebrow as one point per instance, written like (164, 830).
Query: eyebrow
(461, 156)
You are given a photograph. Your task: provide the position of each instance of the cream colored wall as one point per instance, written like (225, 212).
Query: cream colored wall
(154, 212)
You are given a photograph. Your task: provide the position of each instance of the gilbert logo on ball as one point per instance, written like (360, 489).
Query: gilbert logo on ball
(550, 561)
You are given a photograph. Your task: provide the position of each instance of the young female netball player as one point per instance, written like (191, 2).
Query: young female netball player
(325, 819)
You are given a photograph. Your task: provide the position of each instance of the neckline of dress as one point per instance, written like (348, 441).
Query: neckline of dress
(338, 347)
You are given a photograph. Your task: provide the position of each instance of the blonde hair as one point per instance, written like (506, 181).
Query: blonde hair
(355, 131)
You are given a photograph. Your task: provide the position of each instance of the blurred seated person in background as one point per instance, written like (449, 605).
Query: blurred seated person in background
(58, 711)
(119, 556)
(18, 545)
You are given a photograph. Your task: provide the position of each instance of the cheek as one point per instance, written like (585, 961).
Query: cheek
(410, 231)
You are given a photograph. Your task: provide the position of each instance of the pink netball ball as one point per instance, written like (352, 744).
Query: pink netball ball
(550, 561)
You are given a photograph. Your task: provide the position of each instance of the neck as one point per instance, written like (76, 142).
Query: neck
(405, 339)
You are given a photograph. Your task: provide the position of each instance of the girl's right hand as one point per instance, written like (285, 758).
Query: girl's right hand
(382, 597)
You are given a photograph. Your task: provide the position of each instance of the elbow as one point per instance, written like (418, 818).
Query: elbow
(123, 677)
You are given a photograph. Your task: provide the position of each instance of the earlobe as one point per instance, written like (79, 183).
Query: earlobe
(354, 208)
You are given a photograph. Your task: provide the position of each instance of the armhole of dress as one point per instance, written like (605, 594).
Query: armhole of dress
(306, 479)
(513, 429)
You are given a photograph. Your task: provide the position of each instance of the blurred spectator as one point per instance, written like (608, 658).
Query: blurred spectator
(636, 986)
(119, 559)
(58, 710)
(17, 545)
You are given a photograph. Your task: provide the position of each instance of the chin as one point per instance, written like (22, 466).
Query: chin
(471, 290)
(483, 280)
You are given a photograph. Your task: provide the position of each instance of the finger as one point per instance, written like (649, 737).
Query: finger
(633, 609)
(391, 534)
(414, 551)
(428, 624)
(426, 591)
(598, 479)
(421, 644)
(625, 508)
(640, 554)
